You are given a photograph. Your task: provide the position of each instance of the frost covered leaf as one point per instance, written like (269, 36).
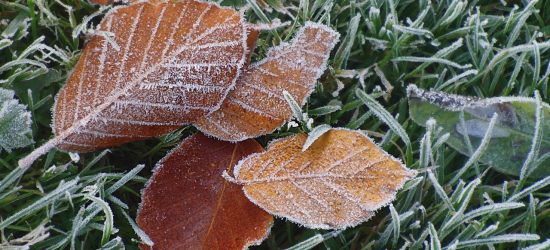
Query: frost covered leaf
(256, 106)
(149, 70)
(511, 137)
(108, 2)
(15, 122)
(189, 205)
(339, 181)
(102, 2)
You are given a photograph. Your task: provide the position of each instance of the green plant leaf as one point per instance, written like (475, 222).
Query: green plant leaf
(15, 122)
(510, 139)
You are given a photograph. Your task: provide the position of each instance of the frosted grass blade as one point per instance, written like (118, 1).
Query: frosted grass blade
(142, 235)
(384, 115)
(315, 134)
(126, 178)
(108, 224)
(40, 203)
(498, 240)
(533, 155)
(479, 151)
(439, 191)
(396, 224)
(435, 244)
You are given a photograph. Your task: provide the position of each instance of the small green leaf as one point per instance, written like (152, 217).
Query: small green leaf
(15, 122)
(511, 137)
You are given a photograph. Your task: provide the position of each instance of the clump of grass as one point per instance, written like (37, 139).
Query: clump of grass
(478, 48)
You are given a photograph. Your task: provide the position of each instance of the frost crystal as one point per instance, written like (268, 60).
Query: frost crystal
(338, 182)
(148, 70)
(187, 204)
(257, 105)
(15, 122)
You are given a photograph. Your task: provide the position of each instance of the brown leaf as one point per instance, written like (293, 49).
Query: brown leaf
(167, 65)
(339, 181)
(102, 2)
(257, 106)
(189, 205)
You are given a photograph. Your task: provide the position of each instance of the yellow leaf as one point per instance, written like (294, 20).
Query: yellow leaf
(339, 181)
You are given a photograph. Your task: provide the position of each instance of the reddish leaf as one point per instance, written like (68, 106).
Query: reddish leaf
(339, 181)
(257, 106)
(189, 205)
(168, 65)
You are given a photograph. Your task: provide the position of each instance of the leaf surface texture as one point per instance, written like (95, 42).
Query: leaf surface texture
(150, 69)
(257, 106)
(189, 205)
(511, 138)
(15, 122)
(339, 181)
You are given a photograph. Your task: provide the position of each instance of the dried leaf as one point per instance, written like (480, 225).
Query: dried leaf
(256, 106)
(109, 2)
(102, 2)
(15, 122)
(164, 66)
(188, 205)
(339, 181)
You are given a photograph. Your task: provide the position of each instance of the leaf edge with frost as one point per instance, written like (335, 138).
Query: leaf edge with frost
(15, 136)
(411, 172)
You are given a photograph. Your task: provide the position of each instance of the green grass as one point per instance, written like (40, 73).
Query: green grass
(477, 48)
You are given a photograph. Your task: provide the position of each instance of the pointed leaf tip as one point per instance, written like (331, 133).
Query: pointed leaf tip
(177, 61)
(187, 204)
(257, 106)
(339, 181)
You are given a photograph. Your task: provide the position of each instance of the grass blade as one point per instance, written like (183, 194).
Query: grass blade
(384, 115)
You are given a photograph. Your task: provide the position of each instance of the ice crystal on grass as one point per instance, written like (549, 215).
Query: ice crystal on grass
(17, 28)
(35, 236)
(15, 122)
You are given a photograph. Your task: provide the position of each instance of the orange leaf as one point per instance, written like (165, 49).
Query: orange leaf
(107, 2)
(102, 2)
(189, 205)
(257, 106)
(339, 181)
(163, 66)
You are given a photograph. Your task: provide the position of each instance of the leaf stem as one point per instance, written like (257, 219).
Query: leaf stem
(34, 155)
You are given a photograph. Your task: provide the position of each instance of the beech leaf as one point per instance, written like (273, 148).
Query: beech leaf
(102, 2)
(187, 204)
(511, 138)
(338, 182)
(257, 106)
(15, 122)
(175, 62)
